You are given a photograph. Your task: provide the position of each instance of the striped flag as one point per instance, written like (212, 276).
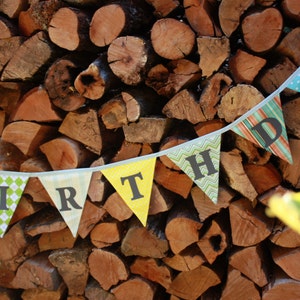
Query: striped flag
(266, 128)
(200, 161)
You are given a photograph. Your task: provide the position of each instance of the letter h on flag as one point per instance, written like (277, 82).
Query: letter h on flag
(266, 128)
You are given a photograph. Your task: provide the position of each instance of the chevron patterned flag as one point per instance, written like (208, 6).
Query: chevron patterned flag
(200, 161)
(68, 192)
(11, 190)
(133, 182)
(266, 128)
(294, 84)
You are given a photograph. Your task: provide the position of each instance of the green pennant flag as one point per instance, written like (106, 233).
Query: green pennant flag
(11, 190)
(200, 160)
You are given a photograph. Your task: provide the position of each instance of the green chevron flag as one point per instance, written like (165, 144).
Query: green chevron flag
(11, 190)
(200, 160)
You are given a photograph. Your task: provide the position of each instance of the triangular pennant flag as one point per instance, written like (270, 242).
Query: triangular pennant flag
(11, 190)
(200, 161)
(266, 128)
(294, 83)
(133, 182)
(68, 192)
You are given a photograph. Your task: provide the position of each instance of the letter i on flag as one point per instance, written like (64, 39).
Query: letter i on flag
(68, 192)
(200, 161)
(133, 182)
(11, 190)
(266, 128)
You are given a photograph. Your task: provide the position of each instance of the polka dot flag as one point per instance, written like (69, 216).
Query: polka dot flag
(11, 190)
(294, 84)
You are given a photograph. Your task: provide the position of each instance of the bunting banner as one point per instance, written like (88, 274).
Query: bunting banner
(133, 182)
(199, 158)
(200, 161)
(266, 128)
(68, 194)
(11, 190)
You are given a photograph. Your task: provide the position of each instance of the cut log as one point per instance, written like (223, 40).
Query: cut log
(213, 242)
(201, 17)
(36, 106)
(105, 234)
(127, 17)
(208, 126)
(182, 228)
(249, 262)
(150, 269)
(215, 87)
(145, 242)
(169, 179)
(38, 50)
(249, 226)
(192, 284)
(91, 215)
(230, 12)
(56, 240)
(244, 67)
(64, 153)
(169, 79)
(257, 25)
(213, 52)
(291, 9)
(172, 39)
(113, 265)
(69, 29)
(73, 268)
(184, 106)
(96, 80)
(287, 260)
(27, 136)
(237, 179)
(163, 7)
(37, 271)
(238, 100)
(237, 284)
(133, 289)
(130, 57)
(127, 150)
(59, 83)
(291, 121)
(11, 92)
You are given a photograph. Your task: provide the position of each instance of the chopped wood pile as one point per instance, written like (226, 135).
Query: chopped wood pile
(86, 83)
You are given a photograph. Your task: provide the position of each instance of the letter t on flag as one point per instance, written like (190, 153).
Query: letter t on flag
(133, 182)
(68, 192)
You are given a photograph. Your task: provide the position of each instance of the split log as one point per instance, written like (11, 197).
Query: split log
(163, 8)
(207, 127)
(130, 58)
(172, 39)
(38, 50)
(291, 122)
(43, 293)
(230, 12)
(69, 29)
(113, 265)
(169, 79)
(284, 236)
(36, 106)
(291, 9)
(150, 269)
(27, 136)
(268, 22)
(236, 285)
(64, 153)
(249, 262)
(145, 241)
(13, 8)
(94, 291)
(9, 294)
(11, 93)
(7, 28)
(213, 52)
(182, 228)
(127, 17)
(249, 226)
(73, 268)
(127, 150)
(129, 289)
(192, 284)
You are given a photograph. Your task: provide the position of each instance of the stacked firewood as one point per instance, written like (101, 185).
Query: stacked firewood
(86, 83)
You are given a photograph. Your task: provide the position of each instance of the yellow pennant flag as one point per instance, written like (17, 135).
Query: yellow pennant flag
(133, 182)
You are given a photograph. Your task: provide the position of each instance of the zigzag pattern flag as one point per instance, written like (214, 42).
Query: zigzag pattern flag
(68, 194)
(11, 190)
(266, 128)
(200, 161)
(294, 84)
